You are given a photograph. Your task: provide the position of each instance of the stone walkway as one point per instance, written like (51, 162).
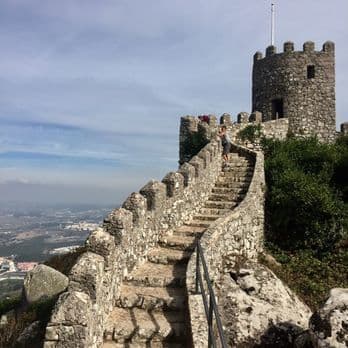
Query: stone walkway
(152, 309)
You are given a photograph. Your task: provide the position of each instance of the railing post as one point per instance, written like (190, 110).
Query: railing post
(210, 320)
(197, 265)
(211, 308)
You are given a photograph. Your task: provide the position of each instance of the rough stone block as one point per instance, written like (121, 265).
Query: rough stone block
(308, 46)
(119, 222)
(344, 128)
(51, 333)
(137, 204)
(257, 56)
(329, 47)
(189, 123)
(198, 164)
(288, 46)
(270, 50)
(210, 152)
(72, 307)
(188, 172)
(256, 117)
(225, 119)
(329, 325)
(243, 117)
(174, 182)
(155, 193)
(101, 243)
(205, 155)
(212, 120)
(70, 336)
(87, 274)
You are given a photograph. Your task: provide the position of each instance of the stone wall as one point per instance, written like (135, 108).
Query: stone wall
(128, 233)
(236, 236)
(276, 129)
(194, 133)
(303, 82)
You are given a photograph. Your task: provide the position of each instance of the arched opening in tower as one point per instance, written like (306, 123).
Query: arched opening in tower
(277, 108)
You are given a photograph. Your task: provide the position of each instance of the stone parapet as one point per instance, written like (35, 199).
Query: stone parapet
(232, 237)
(127, 235)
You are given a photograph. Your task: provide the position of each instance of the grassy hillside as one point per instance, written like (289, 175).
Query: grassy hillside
(307, 214)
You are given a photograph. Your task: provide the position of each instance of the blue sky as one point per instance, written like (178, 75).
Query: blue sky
(91, 92)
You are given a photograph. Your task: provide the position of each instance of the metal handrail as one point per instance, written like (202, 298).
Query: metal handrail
(210, 308)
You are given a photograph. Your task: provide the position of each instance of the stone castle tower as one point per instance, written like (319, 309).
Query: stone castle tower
(298, 85)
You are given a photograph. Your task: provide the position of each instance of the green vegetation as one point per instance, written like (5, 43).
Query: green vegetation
(250, 133)
(306, 211)
(9, 304)
(10, 288)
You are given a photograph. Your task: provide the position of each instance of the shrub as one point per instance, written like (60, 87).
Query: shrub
(305, 209)
(250, 132)
(311, 278)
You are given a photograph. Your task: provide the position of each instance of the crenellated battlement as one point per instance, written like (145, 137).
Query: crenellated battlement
(289, 47)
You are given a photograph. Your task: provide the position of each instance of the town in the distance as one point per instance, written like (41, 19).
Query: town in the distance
(30, 235)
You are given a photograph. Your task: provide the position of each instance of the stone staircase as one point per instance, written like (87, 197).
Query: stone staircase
(152, 309)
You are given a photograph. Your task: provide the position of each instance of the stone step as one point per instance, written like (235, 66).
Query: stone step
(233, 179)
(141, 326)
(228, 190)
(220, 197)
(168, 256)
(228, 205)
(178, 242)
(240, 171)
(228, 184)
(190, 231)
(240, 162)
(165, 344)
(235, 171)
(150, 298)
(206, 217)
(198, 223)
(214, 211)
(237, 164)
(229, 197)
(233, 154)
(158, 275)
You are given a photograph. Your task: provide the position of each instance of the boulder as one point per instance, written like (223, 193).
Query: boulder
(43, 283)
(258, 310)
(329, 325)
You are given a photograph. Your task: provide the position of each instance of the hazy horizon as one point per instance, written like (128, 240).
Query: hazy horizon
(92, 92)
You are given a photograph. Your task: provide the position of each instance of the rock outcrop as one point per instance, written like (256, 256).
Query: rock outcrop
(329, 325)
(258, 309)
(43, 283)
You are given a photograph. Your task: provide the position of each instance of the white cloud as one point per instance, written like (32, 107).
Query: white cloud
(119, 74)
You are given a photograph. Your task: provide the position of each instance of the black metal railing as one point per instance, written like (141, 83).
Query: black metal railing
(210, 306)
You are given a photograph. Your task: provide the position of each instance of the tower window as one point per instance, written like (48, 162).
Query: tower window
(277, 109)
(310, 71)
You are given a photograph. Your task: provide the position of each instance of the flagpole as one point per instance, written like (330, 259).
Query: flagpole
(272, 24)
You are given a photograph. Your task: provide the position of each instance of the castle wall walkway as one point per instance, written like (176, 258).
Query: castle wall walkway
(236, 236)
(127, 235)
